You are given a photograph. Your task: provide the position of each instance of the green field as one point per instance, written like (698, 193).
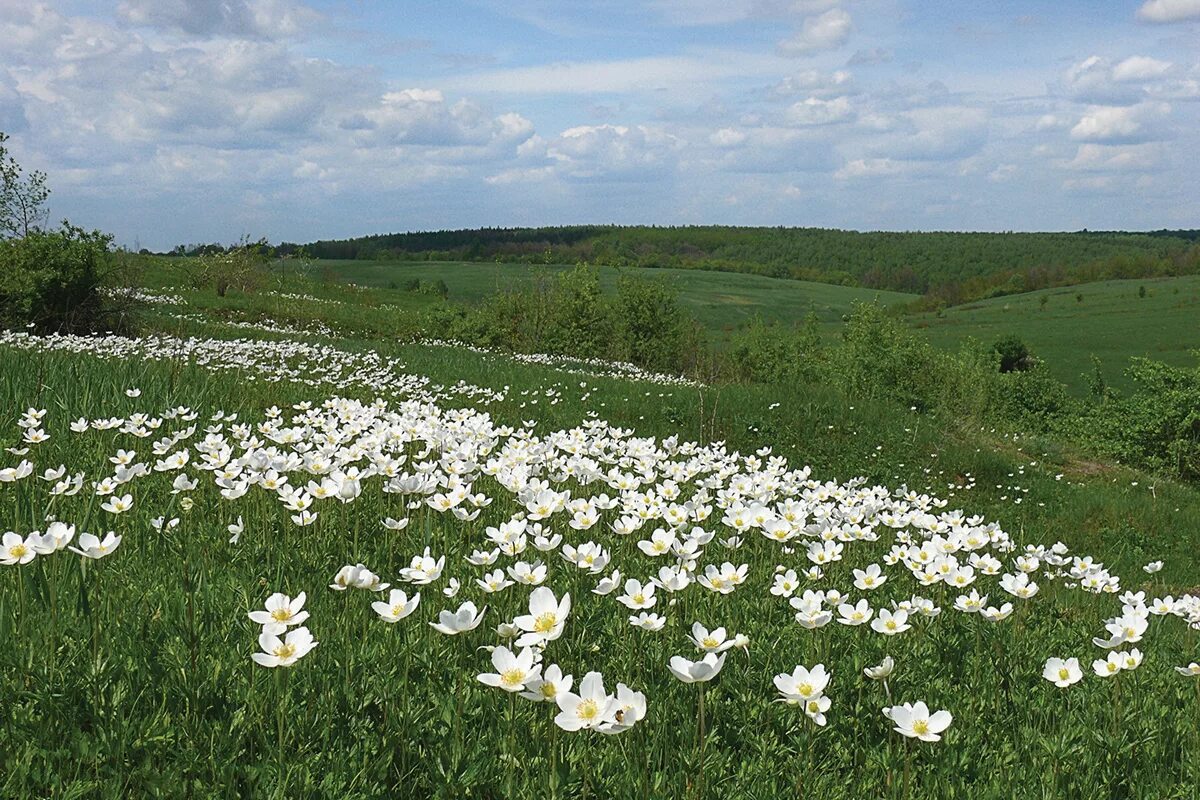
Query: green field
(131, 674)
(1108, 319)
(1111, 321)
(721, 301)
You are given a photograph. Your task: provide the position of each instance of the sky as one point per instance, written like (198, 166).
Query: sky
(173, 121)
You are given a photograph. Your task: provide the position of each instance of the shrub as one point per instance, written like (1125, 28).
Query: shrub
(52, 281)
(1014, 354)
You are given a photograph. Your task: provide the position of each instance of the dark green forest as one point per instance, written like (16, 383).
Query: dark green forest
(948, 268)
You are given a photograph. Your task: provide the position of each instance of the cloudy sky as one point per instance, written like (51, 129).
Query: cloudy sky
(168, 121)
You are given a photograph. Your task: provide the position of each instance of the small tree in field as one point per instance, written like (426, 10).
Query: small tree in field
(22, 196)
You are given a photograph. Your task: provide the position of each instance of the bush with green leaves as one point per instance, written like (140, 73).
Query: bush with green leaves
(53, 279)
(1156, 427)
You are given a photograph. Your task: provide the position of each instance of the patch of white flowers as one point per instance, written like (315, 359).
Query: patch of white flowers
(685, 511)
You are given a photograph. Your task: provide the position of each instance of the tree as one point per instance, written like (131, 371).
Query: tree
(1014, 354)
(22, 196)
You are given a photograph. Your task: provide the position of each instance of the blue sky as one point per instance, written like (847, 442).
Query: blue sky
(168, 121)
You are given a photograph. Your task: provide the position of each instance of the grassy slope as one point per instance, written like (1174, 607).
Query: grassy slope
(1111, 321)
(145, 711)
(720, 300)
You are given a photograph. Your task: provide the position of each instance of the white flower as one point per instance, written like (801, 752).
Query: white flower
(118, 505)
(285, 652)
(282, 612)
(549, 686)
(914, 721)
(881, 672)
(706, 641)
(513, 672)
(467, 618)
(648, 621)
(93, 547)
(1062, 673)
(889, 623)
(397, 607)
(700, 671)
(589, 709)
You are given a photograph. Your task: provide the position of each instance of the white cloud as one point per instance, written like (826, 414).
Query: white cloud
(935, 134)
(871, 168)
(1140, 68)
(1114, 158)
(812, 82)
(727, 137)
(815, 111)
(257, 19)
(1121, 123)
(597, 153)
(821, 32)
(1169, 10)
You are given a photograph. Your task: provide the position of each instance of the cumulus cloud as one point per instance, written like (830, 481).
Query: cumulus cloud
(257, 19)
(820, 32)
(1115, 158)
(812, 82)
(591, 153)
(815, 111)
(1121, 123)
(936, 134)
(871, 168)
(1140, 68)
(1169, 10)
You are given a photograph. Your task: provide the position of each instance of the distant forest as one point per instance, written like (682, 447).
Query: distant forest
(948, 268)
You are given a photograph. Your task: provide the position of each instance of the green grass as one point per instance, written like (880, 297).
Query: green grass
(1111, 322)
(134, 678)
(721, 301)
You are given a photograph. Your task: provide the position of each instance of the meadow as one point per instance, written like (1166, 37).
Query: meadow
(721, 301)
(238, 458)
(1110, 320)
(1156, 318)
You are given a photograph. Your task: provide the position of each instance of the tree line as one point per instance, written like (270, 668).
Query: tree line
(946, 268)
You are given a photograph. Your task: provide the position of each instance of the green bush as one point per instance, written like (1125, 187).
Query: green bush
(52, 281)
(775, 353)
(1157, 427)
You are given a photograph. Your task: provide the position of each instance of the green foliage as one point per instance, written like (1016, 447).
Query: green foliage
(52, 281)
(653, 327)
(243, 268)
(1014, 354)
(1157, 426)
(776, 353)
(949, 268)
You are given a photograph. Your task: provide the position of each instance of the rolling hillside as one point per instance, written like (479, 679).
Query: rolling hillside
(721, 301)
(1065, 327)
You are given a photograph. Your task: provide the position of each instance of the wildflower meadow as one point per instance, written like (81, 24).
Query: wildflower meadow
(293, 566)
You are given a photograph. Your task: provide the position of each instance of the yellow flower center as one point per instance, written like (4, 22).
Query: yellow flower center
(18, 551)
(709, 641)
(805, 689)
(549, 690)
(814, 707)
(921, 727)
(285, 650)
(639, 598)
(1063, 674)
(281, 614)
(588, 710)
(890, 625)
(544, 623)
(512, 677)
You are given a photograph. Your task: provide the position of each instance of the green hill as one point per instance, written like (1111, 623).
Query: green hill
(720, 301)
(1065, 327)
